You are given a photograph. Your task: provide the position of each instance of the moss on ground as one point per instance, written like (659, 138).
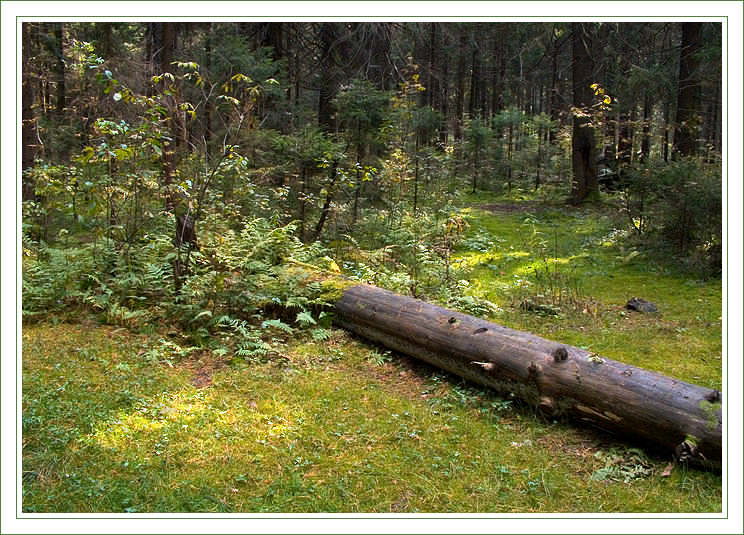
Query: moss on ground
(341, 426)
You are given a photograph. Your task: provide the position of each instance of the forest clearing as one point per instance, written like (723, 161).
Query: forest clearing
(201, 199)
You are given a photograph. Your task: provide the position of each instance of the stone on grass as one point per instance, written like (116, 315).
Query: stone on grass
(641, 305)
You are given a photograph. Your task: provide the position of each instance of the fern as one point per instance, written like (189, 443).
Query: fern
(277, 324)
(320, 335)
(305, 319)
(296, 301)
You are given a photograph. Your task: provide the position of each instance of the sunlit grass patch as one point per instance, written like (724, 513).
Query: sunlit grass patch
(331, 429)
(683, 340)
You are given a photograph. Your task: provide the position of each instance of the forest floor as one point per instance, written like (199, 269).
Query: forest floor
(344, 426)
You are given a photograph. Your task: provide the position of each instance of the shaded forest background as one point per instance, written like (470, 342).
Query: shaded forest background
(162, 159)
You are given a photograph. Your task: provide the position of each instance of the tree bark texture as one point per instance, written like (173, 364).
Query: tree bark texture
(583, 145)
(28, 125)
(460, 87)
(688, 98)
(560, 380)
(59, 50)
(327, 83)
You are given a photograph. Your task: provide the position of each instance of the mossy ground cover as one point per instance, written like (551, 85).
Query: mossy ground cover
(343, 426)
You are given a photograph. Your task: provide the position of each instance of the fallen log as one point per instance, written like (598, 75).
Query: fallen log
(560, 380)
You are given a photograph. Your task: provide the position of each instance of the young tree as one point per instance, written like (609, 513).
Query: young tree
(362, 109)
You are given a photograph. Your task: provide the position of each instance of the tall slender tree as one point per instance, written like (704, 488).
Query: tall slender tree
(27, 113)
(688, 97)
(583, 145)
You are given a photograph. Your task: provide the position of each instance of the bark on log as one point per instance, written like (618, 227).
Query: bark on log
(558, 379)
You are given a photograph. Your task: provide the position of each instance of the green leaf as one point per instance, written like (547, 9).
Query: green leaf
(601, 474)
(277, 324)
(305, 319)
(320, 335)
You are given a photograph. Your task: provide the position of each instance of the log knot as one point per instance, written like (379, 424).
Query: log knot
(560, 354)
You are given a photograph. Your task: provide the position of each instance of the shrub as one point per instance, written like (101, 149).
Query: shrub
(677, 207)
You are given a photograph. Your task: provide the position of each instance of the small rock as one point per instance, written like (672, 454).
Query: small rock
(641, 305)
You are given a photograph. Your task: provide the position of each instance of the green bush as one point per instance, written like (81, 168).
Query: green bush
(677, 208)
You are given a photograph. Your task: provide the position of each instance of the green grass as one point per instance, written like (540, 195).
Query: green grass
(342, 426)
(683, 340)
(324, 430)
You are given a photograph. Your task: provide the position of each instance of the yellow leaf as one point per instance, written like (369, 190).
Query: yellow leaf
(607, 100)
(333, 266)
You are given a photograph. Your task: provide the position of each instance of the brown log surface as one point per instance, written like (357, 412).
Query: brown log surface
(559, 379)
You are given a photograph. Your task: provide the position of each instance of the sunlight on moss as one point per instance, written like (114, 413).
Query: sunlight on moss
(536, 265)
(472, 259)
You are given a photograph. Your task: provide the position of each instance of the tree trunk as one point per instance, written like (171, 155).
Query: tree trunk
(106, 38)
(444, 107)
(327, 90)
(59, 50)
(560, 380)
(379, 64)
(625, 141)
(496, 61)
(432, 85)
(460, 81)
(209, 104)
(667, 126)
(583, 145)
(327, 203)
(163, 36)
(272, 36)
(303, 202)
(28, 150)
(688, 100)
(474, 103)
(712, 119)
(553, 92)
(646, 137)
